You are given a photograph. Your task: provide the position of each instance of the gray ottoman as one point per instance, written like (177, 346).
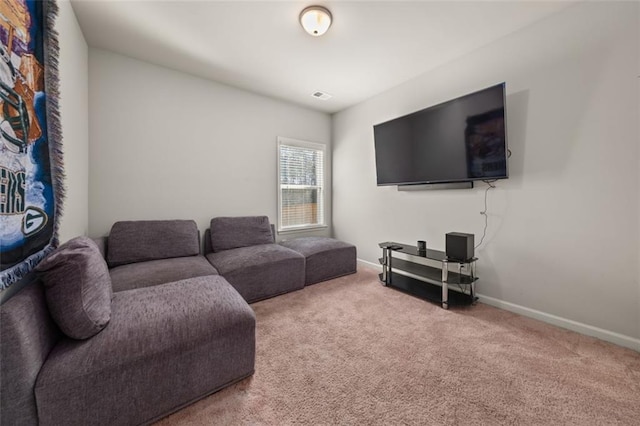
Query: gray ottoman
(326, 258)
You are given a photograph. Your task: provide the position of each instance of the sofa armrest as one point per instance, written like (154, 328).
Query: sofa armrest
(28, 336)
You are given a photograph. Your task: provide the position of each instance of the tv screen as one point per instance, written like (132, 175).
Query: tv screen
(456, 141)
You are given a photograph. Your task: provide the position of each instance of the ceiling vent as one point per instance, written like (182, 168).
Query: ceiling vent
(321, 95)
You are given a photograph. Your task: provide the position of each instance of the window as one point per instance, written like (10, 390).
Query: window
(300, 184)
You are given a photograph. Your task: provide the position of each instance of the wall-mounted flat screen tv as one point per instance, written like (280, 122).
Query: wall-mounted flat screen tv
(462, 140)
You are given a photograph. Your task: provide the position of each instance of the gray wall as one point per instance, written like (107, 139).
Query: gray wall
(563, 236)
(165, 144)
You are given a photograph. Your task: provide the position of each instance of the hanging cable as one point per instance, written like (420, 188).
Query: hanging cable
(490, 185)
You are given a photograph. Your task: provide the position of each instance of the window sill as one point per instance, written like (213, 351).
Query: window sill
(302, 229)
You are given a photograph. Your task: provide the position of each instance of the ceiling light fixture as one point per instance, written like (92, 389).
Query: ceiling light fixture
(315, 20)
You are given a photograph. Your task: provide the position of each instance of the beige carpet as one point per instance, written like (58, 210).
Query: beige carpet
(350, 351)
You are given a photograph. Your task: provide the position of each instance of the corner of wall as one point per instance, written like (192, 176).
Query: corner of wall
(74, 115)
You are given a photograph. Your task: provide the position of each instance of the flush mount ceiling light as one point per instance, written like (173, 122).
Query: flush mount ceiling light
(315, 20)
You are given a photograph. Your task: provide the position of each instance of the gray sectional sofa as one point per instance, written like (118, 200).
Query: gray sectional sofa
(126, 329)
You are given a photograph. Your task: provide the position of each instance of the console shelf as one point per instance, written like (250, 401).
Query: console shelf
(433, 283)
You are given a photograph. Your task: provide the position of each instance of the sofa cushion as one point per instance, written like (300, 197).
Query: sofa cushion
(77, 287)
(165, 347)
(233, 232)
(154, 272)
(261, 271)
(142, 240)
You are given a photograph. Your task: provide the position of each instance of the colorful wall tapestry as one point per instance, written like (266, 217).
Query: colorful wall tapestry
(31, 174)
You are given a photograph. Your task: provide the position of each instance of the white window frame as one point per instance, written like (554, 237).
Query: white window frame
(303, 144)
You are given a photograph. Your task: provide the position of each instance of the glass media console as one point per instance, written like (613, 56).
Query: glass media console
(430, 283)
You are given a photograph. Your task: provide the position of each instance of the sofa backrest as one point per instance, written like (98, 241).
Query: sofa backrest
(143, 240)
(228, 233)
(207, 239)
(28, 335)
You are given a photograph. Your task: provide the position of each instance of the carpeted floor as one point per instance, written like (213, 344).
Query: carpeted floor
(350, 351)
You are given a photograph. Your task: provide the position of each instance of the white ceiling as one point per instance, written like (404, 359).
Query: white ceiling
(260, 46)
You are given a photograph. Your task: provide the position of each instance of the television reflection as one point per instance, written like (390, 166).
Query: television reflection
(485, 145)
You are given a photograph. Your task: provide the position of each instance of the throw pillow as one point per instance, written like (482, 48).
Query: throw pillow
(77, 288)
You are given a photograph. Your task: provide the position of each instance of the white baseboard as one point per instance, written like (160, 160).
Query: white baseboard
(578, 327)
(375, 265)
(589, 330)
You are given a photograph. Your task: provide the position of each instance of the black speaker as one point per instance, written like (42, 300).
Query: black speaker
(459, 246)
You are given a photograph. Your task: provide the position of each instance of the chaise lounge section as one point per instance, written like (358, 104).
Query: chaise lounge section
(165, 347)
